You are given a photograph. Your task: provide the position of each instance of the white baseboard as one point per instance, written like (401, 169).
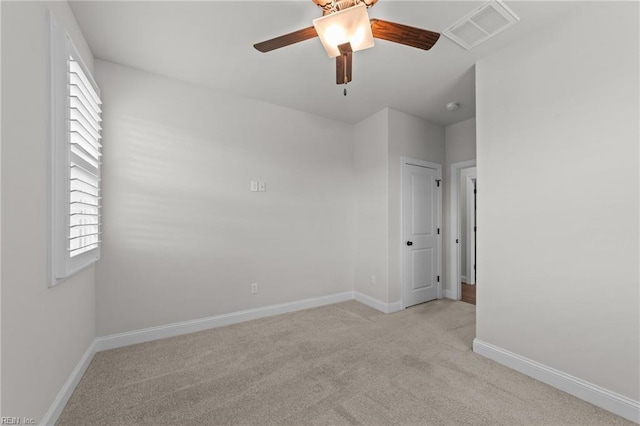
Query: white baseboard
(463, 278)
(448, 294)
(387, 308)
(596, 395)
(394, 307)
(51, 416)
(192, 326)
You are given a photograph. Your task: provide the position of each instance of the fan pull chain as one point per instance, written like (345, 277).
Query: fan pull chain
(344, 67)
(346, 79)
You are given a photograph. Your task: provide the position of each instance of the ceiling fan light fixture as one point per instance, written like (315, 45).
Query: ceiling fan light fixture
(346, 26)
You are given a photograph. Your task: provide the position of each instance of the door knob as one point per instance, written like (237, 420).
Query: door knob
(409, 243)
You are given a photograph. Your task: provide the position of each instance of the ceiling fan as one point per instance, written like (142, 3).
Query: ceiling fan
(345, 28)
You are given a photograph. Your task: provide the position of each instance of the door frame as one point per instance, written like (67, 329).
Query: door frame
(471, 224)
(454, 253)
(404, 161)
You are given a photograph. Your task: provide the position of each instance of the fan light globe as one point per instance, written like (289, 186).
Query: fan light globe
(346, 26)
(335, 35)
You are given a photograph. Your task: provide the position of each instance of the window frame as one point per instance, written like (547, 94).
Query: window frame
(61, 264)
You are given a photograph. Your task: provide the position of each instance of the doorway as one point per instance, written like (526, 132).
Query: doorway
(468, 192)
(421, 202)
(462, 248)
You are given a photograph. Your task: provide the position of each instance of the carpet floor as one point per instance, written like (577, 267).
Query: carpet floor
(343, 364)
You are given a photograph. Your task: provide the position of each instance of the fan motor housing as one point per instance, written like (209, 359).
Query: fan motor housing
(332, 6)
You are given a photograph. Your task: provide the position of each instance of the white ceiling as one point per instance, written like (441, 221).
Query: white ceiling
(211, 43)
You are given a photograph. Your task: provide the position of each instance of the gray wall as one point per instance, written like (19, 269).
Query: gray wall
(460, 141)
(183, 235)
(559, 112)
(371, 198)
(45, 331)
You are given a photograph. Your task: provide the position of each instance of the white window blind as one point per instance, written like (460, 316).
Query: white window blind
(84, 161)
(74, 198)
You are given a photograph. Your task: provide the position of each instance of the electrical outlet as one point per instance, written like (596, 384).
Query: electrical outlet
(254, 288)
(254, 186)
(372, 280)
(262, 187)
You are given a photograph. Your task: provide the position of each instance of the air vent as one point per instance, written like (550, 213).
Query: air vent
(481, 24)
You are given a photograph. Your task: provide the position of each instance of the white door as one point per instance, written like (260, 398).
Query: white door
(421, 230)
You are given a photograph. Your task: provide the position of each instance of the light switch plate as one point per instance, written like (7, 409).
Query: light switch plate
(254, 186)
(262, 187)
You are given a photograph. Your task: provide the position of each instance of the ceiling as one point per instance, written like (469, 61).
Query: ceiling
(211, 43)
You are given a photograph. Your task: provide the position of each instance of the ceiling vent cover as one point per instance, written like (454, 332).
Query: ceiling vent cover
(481, 24)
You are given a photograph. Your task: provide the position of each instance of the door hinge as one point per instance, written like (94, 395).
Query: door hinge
(474, 191)
(474, 229)
(438, 278)
(438, 182)
(438, 231)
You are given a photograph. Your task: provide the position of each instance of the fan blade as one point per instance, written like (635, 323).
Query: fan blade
(343, 64)
(286, 40)
(404, 34)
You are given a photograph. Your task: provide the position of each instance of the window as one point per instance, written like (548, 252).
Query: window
(75, 160)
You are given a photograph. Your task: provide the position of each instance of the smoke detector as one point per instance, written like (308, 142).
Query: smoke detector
(481, 24)
(452, 106)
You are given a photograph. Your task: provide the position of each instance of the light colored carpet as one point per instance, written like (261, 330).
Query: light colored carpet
(343, 364)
